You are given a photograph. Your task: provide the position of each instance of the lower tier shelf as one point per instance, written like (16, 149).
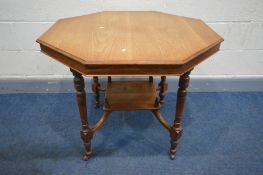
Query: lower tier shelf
(130, 95)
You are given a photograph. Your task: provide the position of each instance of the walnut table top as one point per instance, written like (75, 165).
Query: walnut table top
(130, 43)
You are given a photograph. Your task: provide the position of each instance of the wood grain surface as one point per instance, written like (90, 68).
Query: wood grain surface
(130, 38)
(130, 43)
(130, 95)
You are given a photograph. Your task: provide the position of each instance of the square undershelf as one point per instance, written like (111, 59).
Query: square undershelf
(130, 95)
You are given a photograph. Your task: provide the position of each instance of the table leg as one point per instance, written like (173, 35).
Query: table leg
(109, 79)
(176, 130)
(151, 79)
(85, 133)
(95, 89)
(162, 88)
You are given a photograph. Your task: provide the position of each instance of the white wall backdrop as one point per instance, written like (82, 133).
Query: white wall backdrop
(240, 22)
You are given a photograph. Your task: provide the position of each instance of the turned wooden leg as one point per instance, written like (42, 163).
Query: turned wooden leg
(95, 89)
(176, 130)
(109, 79)
(151, 79)
(162, 88)
(85, 133)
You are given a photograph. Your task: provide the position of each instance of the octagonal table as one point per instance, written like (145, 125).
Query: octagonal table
(130, 43)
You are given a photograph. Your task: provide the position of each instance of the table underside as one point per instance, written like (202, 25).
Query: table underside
(130, 95)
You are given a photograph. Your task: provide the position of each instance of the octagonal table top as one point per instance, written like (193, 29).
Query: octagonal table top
(130, 43)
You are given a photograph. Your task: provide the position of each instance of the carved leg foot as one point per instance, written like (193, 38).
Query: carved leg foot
(175, 135)
(86, 136)
(85, 133)
(176, 130)
(173, 149)
(162, 88)
(95, 89)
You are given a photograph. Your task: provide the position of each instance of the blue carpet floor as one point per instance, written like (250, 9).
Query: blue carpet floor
(223, 134)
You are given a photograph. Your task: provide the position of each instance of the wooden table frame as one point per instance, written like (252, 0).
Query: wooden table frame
(175, 130)
(130, 43)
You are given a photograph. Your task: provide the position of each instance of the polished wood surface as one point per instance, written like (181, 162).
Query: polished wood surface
(129, 70)
(130, 95)
(130, 43)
